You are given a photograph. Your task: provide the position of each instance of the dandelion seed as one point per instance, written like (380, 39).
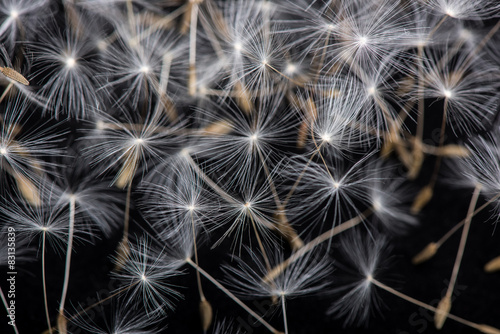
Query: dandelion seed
(364, 257)
(145, 272)
(14, 75)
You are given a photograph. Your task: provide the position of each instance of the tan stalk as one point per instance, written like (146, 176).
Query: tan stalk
(445, 303)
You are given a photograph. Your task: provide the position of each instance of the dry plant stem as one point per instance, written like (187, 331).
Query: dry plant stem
(214, 42)
(44, 283)
(205, 308)
(277, 270)
(6, 91)
(131, 16)
(269, 179)
(427, 192)
(479, 327)
(126, 221)
(291, 234)
(198, 278)
(456, 227)
(2, 296)
(162, 22)
(439, 159)
(323, 55)
(123, 249)
(424, 255)
(463, 241)
(232, 296)
(72, 203)
(238, 92)
(162, 92)
(192, 49)
(208, 180)
(285, 319)
(301, 175)
(436, 27)
(295, 185)
(449, 54)
(417, 150)
(299, 84)
(261, 246)
(479, 47)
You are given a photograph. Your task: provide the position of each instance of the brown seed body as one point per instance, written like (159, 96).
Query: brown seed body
(14, 75)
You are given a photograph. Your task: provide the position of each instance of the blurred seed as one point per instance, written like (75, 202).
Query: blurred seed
(429, 251)
(487, 329)
(423, 197)
(218, 128)
(492, 265)
(127, 172)
(28, 189)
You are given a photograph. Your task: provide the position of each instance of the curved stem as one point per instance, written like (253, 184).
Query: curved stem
(69, 250)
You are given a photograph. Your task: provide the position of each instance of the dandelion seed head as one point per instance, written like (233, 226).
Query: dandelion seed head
(264, 61)
(362, 40)
(238, 46)
(326, 137)
(3, 150)
(145, 69)
(14, 14)
(422, 42)
(336, 184)
(449, 11)
(70, 62)
(144, 278)
(372, 90)
(447, 93)
(191, 208)
(291, 69)
(138, 141)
